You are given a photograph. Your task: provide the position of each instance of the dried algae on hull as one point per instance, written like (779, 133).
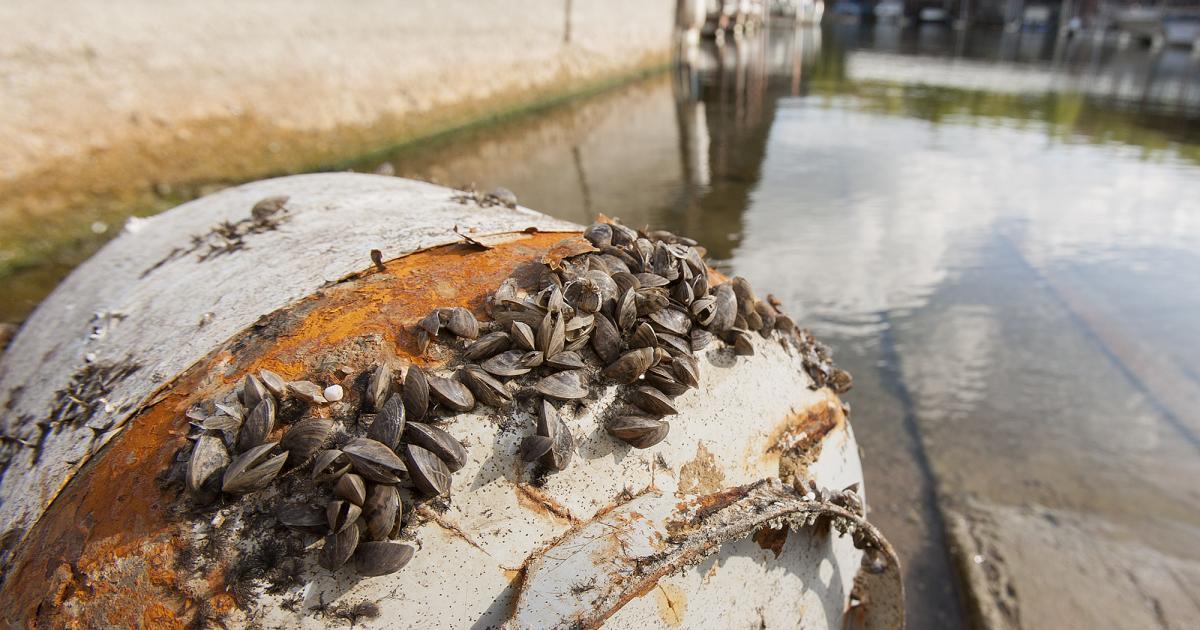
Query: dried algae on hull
(340, 334)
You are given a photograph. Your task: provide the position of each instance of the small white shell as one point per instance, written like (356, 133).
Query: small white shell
(334, 393)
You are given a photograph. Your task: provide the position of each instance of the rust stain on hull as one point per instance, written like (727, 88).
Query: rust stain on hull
(771, 539)
(105, 548)
(702, 475)
(541, 503)
(797, 440)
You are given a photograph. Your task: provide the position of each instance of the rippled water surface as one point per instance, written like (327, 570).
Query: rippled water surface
(1000, 237)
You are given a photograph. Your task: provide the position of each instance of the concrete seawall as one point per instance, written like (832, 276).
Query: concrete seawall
(131, 100)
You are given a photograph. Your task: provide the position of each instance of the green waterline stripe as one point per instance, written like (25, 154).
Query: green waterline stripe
(27, 258)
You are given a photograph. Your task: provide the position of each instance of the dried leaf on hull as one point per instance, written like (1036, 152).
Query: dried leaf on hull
(209, 457)
(438, 442)
(428, 473)
(567, 248)
(381, 558)
(451, 393)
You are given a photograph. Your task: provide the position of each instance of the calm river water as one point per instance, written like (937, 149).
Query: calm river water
(1000, 237)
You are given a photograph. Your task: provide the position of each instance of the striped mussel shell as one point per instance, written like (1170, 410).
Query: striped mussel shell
(252, 470)
(638, 431)
(208, 459)
(379, 387)
(381, 558)
(388, 425)
(381, 510)
(484, 386)
(306, 437)
(374, 460)
(439, 442)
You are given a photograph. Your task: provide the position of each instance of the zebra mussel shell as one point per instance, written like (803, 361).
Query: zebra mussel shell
(258, 425)
(341, 514)
(381, 558)
(485, 387)
(451, 393)
(374, 460)
(388, 425)
(462, 323)
(429, 474)
(379, 387)
(639, 431)
(252, 470)
(338, 549)
(209, 458)
(416, 393)
(381, 510)
(652, 401)
(630, 366)
(303, 518)
(487, 346)
(569, 385)
(352, 488)
(330, 464)
(438, 442)
(306, 437)
(634, 311)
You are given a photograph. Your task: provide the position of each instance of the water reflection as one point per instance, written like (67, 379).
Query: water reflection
(962, 216)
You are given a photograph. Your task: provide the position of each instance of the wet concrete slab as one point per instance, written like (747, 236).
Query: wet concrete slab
(1037, 567)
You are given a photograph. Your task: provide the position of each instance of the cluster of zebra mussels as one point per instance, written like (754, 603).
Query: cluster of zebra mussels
(629, 308)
